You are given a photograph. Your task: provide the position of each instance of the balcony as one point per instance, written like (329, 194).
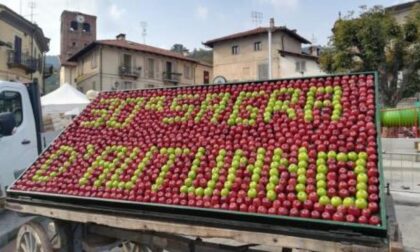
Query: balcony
(131, 72)
(22, 61)
(171, 77)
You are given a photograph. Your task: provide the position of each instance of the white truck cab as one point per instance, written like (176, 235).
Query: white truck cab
(18, 131)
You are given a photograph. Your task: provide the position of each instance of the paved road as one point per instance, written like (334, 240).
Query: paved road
(407, 207)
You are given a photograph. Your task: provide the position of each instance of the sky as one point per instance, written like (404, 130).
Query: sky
(190, 22)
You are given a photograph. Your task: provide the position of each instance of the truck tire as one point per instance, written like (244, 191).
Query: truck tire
(32, 237)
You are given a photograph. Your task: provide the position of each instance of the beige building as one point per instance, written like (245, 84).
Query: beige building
(120, 64)
(22, 48)
(244, 56)
(401, 11)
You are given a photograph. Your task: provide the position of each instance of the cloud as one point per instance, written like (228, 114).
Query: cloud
(282, 4)
(201, 12)
(116, 12)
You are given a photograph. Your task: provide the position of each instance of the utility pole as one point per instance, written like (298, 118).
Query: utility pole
(143, 25)
(270, 30)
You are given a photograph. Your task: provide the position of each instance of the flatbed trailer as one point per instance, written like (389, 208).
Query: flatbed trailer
(73, 223)
(86, 227)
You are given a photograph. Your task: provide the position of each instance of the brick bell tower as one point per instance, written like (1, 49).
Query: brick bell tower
(77, 31)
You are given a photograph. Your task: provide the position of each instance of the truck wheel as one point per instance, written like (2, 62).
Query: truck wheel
(128, 246)
(32, 238)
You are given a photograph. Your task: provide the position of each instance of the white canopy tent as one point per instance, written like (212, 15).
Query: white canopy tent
(63, 99)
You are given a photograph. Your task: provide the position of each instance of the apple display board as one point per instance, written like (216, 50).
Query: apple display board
(284, 151)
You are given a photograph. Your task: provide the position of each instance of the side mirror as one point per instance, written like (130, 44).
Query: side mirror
(7, 123)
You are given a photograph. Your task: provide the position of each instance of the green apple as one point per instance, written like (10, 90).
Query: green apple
(301, 171)
(320, 161)
(301, 179)
(275, 179)
(342, 157)
(336, 201)
(255, 177)
(293, 168)
(322, 155)
(331, 154)
(322, 169)
(359, 169)
(208, 191)
(362, 177)
(274, 172)
(361, 194)
(224, 192)
(199, 191)
(300, 187)
(184, 189)
(352, 156)
(271, 195)
(320, 176)
(348, 201)
(301, 196)
(321, 191)
(324, 200)
(361, 162)
(321, 184)
(303, 156)
(363, 155)
(361, 186)
(252, 193)
(361, 203)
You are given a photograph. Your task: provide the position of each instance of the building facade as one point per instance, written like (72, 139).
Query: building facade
(120, 64)
(22, 48)
(401, 11)
(244, 56)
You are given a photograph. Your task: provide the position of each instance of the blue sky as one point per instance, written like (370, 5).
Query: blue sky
(191, 22)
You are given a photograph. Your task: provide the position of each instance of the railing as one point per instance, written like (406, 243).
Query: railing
(402, 171)
(171, 77)
(129, 71)
(24, 61)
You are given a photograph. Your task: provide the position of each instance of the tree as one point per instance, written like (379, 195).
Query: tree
(202, 55)
(375, 41)
(180, 48)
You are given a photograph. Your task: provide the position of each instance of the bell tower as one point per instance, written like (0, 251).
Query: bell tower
(77, 31)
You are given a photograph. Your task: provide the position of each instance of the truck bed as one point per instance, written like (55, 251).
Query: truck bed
(183, 224)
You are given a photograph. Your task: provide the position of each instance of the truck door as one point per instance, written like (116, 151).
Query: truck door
(18, 150)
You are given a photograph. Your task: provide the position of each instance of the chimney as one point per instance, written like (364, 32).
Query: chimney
(121, 36)
(271, 23)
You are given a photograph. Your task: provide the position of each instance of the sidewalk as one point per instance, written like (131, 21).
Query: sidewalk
(407, 207)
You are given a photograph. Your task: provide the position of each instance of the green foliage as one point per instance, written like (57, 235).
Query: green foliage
(180, 48)
(197, 54)
(375, 41)
(202, 55)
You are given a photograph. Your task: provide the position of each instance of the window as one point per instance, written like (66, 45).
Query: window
(86, 27)
(11, 101)
(206, 77)
(73, 26)
(128, 85)
(93, 60)
(235, 49)
(300, 66)
(127, 61)
(263, 71)
(257, 46)
(150, 68)
(187, 72)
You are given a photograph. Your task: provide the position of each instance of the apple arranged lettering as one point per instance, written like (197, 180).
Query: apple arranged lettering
(303, 147)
